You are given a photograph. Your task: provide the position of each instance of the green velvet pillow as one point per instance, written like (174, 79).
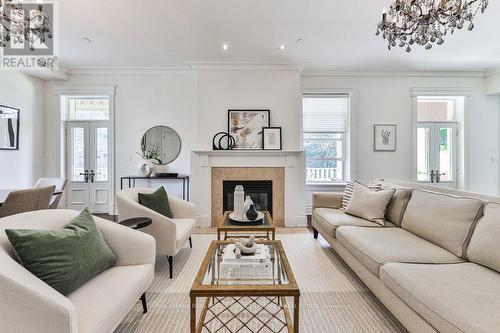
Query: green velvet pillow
(63, 258)
(157, 201)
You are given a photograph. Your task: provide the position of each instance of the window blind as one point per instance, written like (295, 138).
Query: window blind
(325, 113)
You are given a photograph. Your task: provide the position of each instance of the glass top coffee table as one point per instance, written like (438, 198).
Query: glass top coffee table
(265, 229)
(245, 295)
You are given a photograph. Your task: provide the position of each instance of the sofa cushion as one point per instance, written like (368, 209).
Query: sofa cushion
(330, 219)
(374, 247)
(63, 258)
(443, 219)
(397, 205)
(453, 298)
(369, 204)
(484, 246)
(102, 303)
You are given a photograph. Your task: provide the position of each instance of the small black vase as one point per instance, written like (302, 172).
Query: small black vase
(252, 213)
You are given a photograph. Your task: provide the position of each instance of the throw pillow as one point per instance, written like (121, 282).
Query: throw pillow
(157, 201)
(63, 258)
(346, 197)
(369, 204)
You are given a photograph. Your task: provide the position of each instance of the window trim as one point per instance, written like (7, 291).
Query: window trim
(350, 137)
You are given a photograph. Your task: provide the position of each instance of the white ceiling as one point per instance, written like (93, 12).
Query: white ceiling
(336, 34)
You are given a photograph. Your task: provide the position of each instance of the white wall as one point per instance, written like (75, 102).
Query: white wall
(387, 99)
(220, 90)
(22, 168)
(141, 101)
(493, 83)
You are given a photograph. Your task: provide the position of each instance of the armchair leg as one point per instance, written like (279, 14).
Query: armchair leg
(170, 264)
(144, 304)
(315, 233)
(190, 242)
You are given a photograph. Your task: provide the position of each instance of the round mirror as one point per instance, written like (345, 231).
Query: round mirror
(161, 144)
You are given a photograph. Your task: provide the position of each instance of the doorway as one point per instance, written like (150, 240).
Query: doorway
(87, 154)
(437, 146)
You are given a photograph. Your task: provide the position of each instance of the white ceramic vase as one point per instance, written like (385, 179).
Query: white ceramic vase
(146, 168)
(239, 198)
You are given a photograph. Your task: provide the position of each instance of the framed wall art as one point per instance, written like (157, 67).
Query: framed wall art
(271, 138)
(245, 126)
(384, 137)
(9, 128)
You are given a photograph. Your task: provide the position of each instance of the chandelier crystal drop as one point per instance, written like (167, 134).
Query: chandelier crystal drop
(19, 25)
(426, 22)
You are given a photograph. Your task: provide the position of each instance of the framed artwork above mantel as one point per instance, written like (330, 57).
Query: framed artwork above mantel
(9, 128)
(245, 126)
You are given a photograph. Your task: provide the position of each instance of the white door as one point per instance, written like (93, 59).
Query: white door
(437, 153)
(87, 165)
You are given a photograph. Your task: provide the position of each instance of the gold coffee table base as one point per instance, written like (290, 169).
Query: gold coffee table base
(252, 314)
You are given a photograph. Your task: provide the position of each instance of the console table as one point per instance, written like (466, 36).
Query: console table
(183, 178)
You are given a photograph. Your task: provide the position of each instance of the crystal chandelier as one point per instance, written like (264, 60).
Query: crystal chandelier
(19, 24)
(425, 22)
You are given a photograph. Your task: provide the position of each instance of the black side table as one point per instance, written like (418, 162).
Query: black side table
(137, 222)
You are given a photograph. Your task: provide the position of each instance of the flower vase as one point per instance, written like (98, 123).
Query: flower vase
(146, 168)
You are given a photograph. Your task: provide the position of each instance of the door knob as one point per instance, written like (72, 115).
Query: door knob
(438, 176)
(85, 175)
(432, 176)
(92, 174)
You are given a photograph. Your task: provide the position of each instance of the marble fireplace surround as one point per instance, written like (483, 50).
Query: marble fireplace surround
(209, 168)
(276, 175)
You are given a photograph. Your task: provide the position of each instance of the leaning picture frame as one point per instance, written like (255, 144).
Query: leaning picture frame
(9, 128)
(384, 137)
(245, 126)
(272, 138)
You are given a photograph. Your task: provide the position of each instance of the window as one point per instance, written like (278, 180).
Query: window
(91, 108)
(437, 132)
(325, 134)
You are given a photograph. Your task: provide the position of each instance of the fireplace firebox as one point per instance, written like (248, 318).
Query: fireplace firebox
(260, 191)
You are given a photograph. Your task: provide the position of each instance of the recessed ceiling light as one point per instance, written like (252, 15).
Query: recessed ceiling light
(300, 40)
(225, 47)
(282, 47)
(86, 39)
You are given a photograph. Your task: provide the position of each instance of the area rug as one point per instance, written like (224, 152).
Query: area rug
(332, 298)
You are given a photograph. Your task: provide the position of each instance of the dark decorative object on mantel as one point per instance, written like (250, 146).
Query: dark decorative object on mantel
(9, 128)
(252, 213)
(219, 144)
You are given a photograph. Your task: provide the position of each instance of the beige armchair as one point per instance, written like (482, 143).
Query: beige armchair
(171, 234)
(29, 305)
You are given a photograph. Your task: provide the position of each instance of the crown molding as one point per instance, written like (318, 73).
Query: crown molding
(84, 90)
(243, 66)
(96, 70)
(318, 72)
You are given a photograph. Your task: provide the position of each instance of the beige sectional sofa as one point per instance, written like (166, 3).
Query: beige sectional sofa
(435, 264)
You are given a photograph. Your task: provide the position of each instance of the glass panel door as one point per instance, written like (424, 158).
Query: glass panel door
(446, 157)
(77, 148)
(437, 153)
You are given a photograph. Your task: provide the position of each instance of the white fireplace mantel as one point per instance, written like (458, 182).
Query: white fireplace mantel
(292, 161)
(256, 152)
